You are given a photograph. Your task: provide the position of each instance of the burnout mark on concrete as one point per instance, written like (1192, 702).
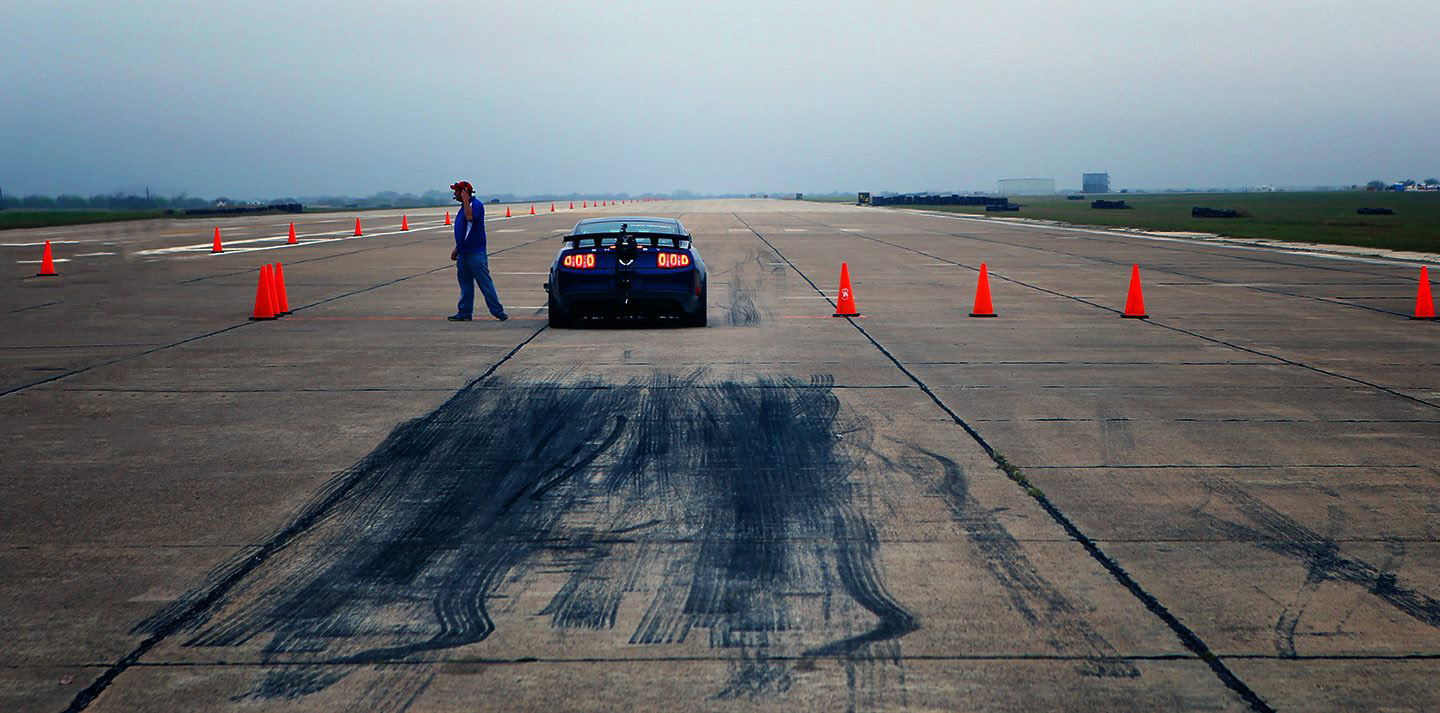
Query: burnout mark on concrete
(728, 507)
(746, 278)
(1276, 532)
(1034, 597)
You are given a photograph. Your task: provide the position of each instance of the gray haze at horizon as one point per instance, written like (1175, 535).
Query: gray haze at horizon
(277, 99)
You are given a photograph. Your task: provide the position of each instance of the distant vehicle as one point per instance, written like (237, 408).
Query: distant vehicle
(627, 266)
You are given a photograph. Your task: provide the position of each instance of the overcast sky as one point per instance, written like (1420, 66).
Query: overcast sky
(258, 100)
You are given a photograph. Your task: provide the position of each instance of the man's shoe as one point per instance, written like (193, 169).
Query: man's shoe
(503, 317)
(458, 318)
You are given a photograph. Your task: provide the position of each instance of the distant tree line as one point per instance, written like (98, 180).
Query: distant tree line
(112, 201)
(129, 201)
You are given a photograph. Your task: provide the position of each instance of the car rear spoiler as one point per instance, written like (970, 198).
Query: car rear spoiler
(648, 239)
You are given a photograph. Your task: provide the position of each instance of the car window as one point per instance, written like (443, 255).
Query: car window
(633, 226)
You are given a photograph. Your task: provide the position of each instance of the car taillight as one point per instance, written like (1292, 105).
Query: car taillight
(673, 260)
(583, 261)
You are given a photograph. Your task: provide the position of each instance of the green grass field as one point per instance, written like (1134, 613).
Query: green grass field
(1318, 217)
(48, 218)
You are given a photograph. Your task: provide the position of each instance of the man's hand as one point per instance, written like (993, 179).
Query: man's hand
(469, 210)
(455, 253)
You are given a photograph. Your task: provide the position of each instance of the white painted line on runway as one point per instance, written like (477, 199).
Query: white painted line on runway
(36, 245)
(796, 230)
(204, 248)
(739, 230)
(93, 254)
(849, 230)
(302, 240)
(37, 262)
(510, 230)
(1392, 262)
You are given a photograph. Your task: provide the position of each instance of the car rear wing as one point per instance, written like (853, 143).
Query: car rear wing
(655, 240)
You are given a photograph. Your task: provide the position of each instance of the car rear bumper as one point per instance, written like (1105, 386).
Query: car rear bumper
(633, 293)
(613, 302)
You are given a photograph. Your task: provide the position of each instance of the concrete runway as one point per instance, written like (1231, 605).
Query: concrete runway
(1234, 505)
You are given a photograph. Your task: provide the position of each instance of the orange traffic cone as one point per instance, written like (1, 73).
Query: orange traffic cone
(264, 299)
(552, 207)
(1135, 302)
(216, 247)
(572, 205)
(507, 211)
(846, 306)
(1424, 304)
(404, 222)
(274, 291)
(532, 209)
(983, 308)
(585, 204)
(282, 295)
(358, 233)
(47, 263)
(292, 239)
(447, 217)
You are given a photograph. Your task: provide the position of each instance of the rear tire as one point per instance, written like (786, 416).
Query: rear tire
(558, 318)
(699, 317)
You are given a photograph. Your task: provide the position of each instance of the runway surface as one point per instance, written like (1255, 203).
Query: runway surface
(1233, 505)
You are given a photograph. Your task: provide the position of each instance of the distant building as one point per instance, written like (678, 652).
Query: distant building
(1027, 186)
(1095, 182)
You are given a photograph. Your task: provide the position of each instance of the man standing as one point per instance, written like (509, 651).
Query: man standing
(472, 265)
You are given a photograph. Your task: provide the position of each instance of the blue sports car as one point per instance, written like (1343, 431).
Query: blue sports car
(627, 266)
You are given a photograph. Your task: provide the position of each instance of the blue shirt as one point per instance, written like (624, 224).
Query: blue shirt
(470, 237)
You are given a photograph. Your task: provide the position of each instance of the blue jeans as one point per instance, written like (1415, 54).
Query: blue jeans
(472, 269)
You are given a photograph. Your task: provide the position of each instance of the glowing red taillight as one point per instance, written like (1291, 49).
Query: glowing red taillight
(672, 260)
(583, 261)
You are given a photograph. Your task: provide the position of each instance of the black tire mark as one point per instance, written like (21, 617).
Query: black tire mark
(1289, 617)
(1187, 636)
(195, 608)
(743, 311)
(747, 484)
(583, 462)
(746, 490)
(855, 566)
(434, 530)
(1282, 535)
(1031, 594)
